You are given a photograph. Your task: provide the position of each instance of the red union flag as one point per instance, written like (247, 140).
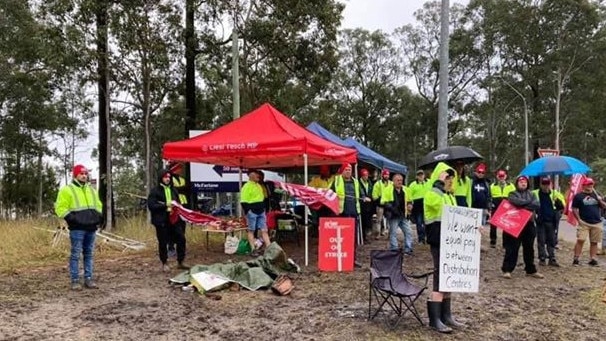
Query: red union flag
(510, 219)
(192, 217)
(312, 197)
(575, 188)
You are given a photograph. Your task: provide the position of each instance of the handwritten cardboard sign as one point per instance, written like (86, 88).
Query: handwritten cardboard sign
(460, 241)
(510, 219)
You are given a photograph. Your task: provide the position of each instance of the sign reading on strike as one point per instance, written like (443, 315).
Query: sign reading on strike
(510, 219)
(460, 241)
(336, 244)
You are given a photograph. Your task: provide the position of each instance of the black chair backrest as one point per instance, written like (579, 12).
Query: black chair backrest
(387, 262)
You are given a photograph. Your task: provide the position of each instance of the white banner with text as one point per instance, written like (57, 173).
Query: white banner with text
(460, 241)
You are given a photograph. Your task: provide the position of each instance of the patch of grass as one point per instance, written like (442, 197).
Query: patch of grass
(28, 243)
(594, 301)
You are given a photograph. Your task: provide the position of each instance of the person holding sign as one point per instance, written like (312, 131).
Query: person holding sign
(347, 189)
(439, 303)
(522, 197)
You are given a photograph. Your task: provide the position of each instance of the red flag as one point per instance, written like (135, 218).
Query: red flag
(510, 219)
(189, 216)
(312, 197)
(575, 188)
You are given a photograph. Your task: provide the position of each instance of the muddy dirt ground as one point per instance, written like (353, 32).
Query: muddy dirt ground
(136, 302)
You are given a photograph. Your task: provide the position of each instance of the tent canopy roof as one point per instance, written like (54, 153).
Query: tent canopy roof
(365, 154)
(263, 138)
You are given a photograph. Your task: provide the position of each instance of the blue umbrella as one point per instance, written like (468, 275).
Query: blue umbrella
(564, 165)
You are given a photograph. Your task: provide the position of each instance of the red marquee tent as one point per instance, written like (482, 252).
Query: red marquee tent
(263, 138)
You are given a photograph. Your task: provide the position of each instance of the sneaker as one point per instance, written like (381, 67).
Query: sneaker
(493, 245)
(75, 286)
(89, 284)
(593, 262)
(553, 262)
(575, 262)
(557, 247)
(542, 262)
(535, 275)
(165, 268)
(182, 266)
(507, 275)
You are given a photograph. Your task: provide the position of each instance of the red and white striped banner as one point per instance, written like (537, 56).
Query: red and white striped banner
(312, 197)
(574, 189)
(192, 217)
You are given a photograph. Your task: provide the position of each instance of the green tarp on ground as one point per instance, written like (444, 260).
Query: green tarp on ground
(252, 275)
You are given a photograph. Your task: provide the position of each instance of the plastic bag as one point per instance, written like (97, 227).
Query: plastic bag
(243, 247)
(231, 244)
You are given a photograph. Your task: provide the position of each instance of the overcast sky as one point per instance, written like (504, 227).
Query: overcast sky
(385, 15)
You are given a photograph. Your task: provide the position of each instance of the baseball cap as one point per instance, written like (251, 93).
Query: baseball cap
(420, 171)
(363, 171)
(384, 172)
(501, 173)
(545, 180)
(481, 168)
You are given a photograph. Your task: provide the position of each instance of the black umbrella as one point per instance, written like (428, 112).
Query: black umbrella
(452, 153)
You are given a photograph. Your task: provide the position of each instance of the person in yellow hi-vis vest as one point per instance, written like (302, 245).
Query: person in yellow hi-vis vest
(252, 199)
(159, 203)
(180, 185)
(347, 189)
(418, 188)
(499, 191)
(324, 180)
(462, 185)
(377, 191)
(440, 195)
(78, 203)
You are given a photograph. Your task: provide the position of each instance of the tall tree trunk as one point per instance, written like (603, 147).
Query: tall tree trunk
(40, 174)
(190, 68)
(190, 76)
(104, 126)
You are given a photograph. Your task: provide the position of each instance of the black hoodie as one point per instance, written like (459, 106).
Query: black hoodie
(156, 201)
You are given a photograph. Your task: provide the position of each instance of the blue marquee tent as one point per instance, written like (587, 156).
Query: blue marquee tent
(365, 154)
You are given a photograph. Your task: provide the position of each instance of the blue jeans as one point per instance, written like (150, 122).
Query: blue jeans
(82, 242)
(420, 223)
(404, 226)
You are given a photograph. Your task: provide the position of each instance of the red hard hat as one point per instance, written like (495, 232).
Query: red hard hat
(363, 171)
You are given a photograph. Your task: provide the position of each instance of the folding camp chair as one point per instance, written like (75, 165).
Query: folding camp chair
(389, 285)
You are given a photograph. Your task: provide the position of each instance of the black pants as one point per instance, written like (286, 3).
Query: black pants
(356, 228)
(546, 239)
(435, 257)
(512, 248)
(171, 241)
(366, 218)
(167, 232)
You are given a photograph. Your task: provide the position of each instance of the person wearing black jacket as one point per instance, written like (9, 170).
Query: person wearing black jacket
(522, 197)
(159, 203)
(480, 192)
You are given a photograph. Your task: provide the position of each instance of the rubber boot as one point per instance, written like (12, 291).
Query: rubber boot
(446, 315)
(434, 312)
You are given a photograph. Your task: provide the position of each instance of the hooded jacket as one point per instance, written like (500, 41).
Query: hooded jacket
(157, 202)
(524, 199)
(433, 202)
